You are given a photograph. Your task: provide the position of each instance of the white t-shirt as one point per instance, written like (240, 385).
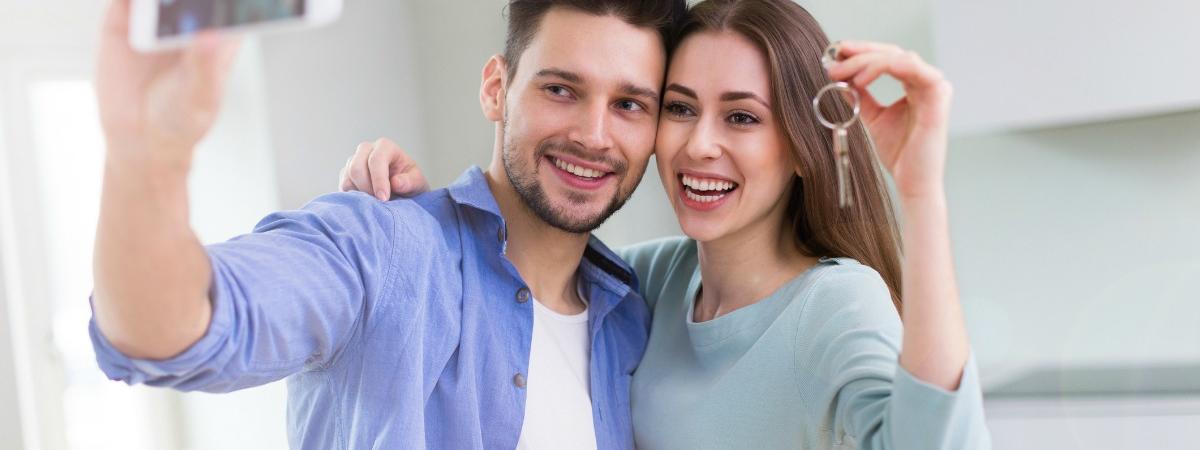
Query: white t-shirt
(558, 400)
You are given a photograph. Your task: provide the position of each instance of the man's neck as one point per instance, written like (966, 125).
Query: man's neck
(546, 257)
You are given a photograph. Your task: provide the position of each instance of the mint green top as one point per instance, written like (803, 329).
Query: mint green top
(812, 366)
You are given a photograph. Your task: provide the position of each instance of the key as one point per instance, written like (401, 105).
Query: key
(841, 133)
(841, 140)
(841, 150)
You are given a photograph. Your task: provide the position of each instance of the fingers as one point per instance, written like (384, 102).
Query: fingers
(865, 62)
(358, 174)
(869, 107)
(379, 166)
(208, 61)
(399, 170)
(379, 162)
(116, 22)
(410, 183)
(344, 183)
(864, 67)
(849, 49)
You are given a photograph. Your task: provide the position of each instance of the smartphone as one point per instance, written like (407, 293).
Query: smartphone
(165, 24)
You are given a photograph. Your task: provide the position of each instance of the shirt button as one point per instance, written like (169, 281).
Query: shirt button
(501, 234)
(519, 380)
(522, 295)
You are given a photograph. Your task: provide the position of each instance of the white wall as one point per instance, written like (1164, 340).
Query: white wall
(329, 89)
(1079, 245)
(1072, 62)
(10, 419)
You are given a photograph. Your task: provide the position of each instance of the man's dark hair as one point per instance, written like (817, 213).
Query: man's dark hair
(525, 16)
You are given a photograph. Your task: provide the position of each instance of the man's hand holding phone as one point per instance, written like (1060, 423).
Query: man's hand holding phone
(157, 25)
(158, 105)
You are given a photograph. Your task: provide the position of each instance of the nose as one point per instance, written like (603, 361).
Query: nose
(702, 143)
(591, 129)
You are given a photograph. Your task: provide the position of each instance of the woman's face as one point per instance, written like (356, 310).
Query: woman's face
(721, 152)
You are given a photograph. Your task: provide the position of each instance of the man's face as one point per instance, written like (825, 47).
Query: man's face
(580, 117)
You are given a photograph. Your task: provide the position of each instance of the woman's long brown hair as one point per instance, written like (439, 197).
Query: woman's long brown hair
(793, 43)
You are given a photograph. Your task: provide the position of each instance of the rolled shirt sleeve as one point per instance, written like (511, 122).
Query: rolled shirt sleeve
(285, 298)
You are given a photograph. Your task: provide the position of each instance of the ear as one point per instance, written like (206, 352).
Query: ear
(493, 88)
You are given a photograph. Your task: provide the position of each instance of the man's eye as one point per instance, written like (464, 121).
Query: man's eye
(558, 91)
(630, 105)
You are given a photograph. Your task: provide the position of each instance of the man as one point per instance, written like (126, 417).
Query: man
(478, 316)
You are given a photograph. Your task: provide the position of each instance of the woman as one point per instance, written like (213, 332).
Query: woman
(776, 320)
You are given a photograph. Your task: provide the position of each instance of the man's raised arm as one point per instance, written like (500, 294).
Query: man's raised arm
(152, 275)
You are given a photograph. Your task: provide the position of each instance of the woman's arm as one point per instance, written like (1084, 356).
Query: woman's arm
(935, 336)
(910, 137)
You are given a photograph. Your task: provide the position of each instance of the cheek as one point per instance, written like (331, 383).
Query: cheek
(636, 135)
(533, 120)
(769, 164)
(671, 138)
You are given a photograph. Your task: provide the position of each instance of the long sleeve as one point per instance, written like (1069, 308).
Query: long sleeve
(849, 345)
(285, 298)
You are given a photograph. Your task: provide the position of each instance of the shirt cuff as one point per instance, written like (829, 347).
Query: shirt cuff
(171, 371)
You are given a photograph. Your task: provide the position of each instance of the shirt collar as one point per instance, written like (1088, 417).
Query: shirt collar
(471, 189)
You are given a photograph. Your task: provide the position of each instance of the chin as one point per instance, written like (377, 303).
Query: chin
(701, 229)
(573, 216)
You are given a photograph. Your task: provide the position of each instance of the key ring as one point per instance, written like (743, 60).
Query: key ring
(839, 86)
(841, 135)
(830, 55)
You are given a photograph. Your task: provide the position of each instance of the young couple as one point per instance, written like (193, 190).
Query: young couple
(484, 315)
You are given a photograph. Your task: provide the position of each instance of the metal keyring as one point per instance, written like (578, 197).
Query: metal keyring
(831, 54)
(840, 86)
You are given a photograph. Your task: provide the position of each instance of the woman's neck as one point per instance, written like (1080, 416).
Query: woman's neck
(746, 266)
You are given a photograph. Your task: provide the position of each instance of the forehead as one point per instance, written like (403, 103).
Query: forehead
(603, 49)
(712, 62)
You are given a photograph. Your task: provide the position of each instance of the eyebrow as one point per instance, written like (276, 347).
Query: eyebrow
(633, 90)
(627, 88)
(742, 95)
(559, 73)
(682, 90)
(726, 97)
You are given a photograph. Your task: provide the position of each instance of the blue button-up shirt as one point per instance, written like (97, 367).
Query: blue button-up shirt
(397, 324)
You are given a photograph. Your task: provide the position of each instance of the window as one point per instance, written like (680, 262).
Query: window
(68, 153)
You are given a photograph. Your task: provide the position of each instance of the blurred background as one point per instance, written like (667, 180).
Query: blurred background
(1073, 187)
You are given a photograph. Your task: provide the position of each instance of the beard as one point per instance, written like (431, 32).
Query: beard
(523, 175)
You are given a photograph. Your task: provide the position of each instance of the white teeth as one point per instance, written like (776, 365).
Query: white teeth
(702, 198)
(576, 170)
(701, 184)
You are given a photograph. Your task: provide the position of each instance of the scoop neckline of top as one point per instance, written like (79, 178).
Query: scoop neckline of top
(694, 286)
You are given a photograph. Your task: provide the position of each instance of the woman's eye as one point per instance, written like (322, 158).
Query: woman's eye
(678, 110)
(629, 105)
(740, 118)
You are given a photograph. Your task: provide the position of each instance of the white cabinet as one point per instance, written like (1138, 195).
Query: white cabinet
(1097, 408)
(1132, 423)
(1040, 63)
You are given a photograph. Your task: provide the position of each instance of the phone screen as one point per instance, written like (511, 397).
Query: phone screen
(176, 17)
